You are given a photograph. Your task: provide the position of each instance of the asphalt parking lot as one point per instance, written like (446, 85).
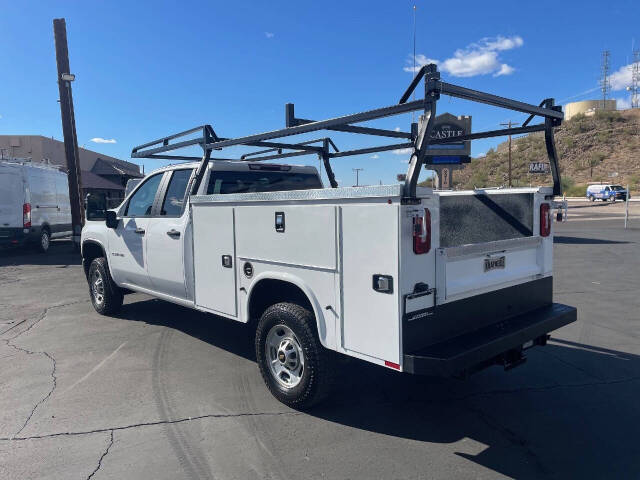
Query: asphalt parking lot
(161, 391)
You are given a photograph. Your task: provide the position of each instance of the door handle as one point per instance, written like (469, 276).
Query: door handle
(173, 233)
(140, 230)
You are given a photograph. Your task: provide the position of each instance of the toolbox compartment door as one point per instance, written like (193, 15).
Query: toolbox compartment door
(370, 319)
(215, 276)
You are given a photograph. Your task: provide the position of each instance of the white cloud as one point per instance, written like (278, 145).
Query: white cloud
(103, 140)
(397, 129)
(621, 79)
(480, 58)
(504, 70)
(269, 34)
(375, 155)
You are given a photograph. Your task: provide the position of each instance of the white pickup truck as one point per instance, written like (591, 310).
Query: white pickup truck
(412, 279)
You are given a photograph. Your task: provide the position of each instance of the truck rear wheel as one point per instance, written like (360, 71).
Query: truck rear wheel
(106, 296)
(293, 363)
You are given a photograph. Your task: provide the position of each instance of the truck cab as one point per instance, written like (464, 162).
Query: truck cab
(147, 247)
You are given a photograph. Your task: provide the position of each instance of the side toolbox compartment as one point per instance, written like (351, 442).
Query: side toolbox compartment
(369, 252)
(214, 255)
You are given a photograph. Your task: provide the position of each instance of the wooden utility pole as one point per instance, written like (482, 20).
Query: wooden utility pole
(69, 128)
(509, 125)
(357, 170)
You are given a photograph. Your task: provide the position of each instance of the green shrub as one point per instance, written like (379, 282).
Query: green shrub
(575, 190)
(609, 116)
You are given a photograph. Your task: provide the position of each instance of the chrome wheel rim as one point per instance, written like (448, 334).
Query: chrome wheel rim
(284, 356)
(44, 241)
(97, 287)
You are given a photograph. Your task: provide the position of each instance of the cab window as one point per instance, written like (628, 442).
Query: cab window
(141, 201)
(173, 202)
(260, 181)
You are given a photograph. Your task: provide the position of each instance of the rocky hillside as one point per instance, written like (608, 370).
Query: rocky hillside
(603, 147)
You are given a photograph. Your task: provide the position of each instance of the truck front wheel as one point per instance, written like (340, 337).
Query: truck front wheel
(293, 363)
(106, 296)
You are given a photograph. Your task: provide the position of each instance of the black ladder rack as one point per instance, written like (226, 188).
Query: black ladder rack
(418, 138)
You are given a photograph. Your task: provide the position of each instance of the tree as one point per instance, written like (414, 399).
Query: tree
(594, 161)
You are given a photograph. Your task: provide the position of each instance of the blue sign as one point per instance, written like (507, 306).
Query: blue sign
(446, 160)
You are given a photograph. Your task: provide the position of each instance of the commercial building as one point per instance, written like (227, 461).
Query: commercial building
(101, 174)
(587, 107)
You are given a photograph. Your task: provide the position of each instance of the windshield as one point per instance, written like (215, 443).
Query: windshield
(616, 187)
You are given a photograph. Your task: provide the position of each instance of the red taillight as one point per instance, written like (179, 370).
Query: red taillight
(545, 220)
(422, 233)
(26, 215)
(389, 364)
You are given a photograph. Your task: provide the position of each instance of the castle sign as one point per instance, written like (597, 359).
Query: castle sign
(449, 126)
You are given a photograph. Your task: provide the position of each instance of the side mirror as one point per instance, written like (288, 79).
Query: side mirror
(111, 219)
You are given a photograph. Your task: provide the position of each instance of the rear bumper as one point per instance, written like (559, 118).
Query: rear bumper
(16, 236)
(489, 345)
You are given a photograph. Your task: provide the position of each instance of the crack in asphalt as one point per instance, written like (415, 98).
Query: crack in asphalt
(104, 454)
(151, 424)
(294, 413)
(46, 397)
(8, 341)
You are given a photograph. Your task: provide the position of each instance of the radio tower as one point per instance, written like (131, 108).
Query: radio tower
(635, 80)
(605, 86)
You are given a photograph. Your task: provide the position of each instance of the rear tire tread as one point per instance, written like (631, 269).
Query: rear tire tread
(318, 360)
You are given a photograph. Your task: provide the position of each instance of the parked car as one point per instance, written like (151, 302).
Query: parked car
(34, 204)
(606, 192)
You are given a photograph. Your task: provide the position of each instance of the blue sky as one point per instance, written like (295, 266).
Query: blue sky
(147, 69)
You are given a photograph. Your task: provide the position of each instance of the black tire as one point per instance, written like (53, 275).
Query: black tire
(44, 241)
(316, 377)
(106, 299)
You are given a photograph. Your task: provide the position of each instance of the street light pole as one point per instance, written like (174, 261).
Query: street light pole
(509, 124)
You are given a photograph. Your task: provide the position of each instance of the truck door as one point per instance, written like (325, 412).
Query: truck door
(166, 236)
(127, 243)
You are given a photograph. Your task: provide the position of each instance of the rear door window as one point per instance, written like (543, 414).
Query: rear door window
(260, 181)
(173, 203)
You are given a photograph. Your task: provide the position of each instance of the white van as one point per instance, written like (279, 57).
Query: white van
(34, 204)
(606, 192)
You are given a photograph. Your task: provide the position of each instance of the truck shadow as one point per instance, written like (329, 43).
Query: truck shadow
(571, 411)
(584, 241)
(60, 254)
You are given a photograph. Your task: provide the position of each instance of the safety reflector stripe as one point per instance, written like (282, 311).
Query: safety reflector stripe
(387, 363)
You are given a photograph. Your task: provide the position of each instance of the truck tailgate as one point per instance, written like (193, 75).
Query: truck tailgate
(472, 269)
